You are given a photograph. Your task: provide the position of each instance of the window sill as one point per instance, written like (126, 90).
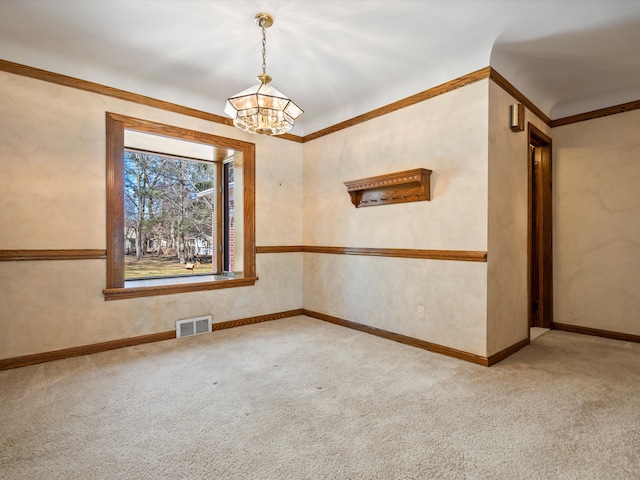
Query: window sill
(155, 290)
(178, 280)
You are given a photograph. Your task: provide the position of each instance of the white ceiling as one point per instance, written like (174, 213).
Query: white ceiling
(335, 58)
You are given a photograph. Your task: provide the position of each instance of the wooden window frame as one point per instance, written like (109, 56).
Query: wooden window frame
(116, 124)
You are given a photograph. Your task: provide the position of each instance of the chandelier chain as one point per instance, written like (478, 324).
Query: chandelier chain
(264, 47)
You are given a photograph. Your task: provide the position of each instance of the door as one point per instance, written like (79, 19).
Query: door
(540, 230)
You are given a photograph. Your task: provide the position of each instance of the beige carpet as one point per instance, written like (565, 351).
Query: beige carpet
(302, 399)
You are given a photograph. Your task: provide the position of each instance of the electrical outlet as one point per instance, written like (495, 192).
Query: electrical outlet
(420, 312)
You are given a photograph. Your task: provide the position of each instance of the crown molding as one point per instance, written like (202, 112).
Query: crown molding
(405, 102)
(518, 95)
(603, 112)
(483, 73)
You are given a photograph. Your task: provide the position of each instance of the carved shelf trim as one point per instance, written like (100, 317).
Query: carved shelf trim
(400, 187)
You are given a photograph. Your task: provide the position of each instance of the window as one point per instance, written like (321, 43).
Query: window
(180, 210)
(228, 219)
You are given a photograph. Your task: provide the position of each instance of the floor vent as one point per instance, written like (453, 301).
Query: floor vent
(193, 326)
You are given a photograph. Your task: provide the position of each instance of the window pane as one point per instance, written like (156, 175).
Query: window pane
(229, 218)
(168, 215)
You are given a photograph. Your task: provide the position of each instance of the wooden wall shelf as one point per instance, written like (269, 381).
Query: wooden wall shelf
(401, 187)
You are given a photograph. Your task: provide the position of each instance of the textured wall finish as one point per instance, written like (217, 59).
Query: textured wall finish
(597, 223)
(52, 187)
(52, 182)
(507, 294)
(384, 293)
(447, 134)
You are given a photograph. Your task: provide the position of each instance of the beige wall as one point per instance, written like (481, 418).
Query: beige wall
(52, 184)
(447, 134)
(507, 295)
(596, 241)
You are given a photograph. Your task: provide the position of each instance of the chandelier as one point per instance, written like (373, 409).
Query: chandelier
(262, 109)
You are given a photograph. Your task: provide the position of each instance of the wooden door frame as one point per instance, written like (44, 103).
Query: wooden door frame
(543, 145)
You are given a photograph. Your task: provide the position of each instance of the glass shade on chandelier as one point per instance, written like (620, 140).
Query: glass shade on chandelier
(262, 109)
